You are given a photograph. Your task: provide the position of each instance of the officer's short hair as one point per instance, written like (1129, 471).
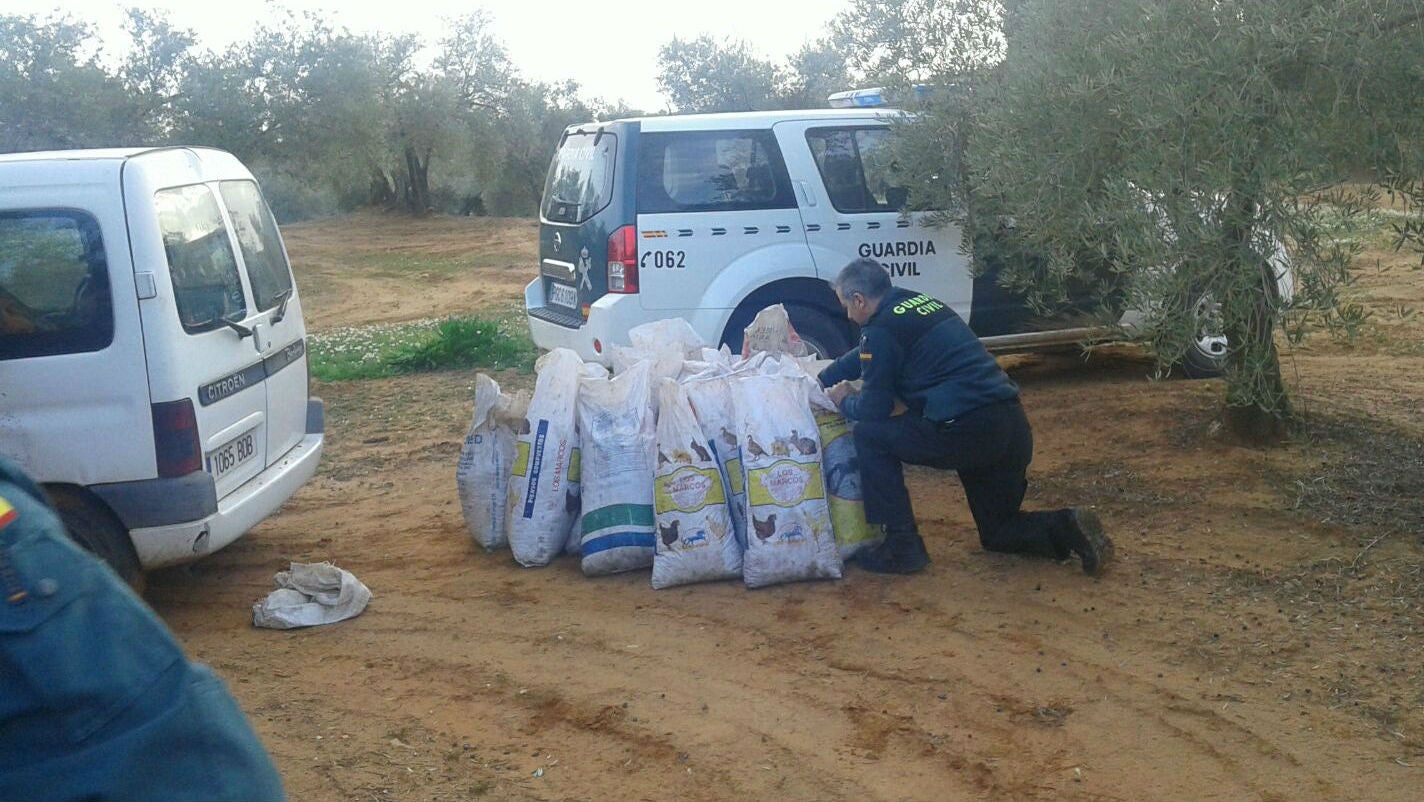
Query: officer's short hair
(865, 276)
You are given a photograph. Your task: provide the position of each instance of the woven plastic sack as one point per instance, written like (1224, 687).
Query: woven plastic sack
(841, 467)
(541, 504)
(694, 524)
(665, 343)
(789, 535)
(771, 331)
(616, 451)
(575, 498)
(486, 459)
(710, 395)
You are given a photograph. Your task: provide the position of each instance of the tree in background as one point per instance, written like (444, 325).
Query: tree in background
(54, 92)
(327, 119)
(917, 41)
(705, 75)
(812, 73)
(1170, 147)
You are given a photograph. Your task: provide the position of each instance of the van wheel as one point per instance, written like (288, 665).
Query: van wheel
(93, 526)
(1206, 356)
(824, 337)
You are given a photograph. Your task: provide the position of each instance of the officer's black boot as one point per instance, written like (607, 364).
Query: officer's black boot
(903, 552)
(1081, 532)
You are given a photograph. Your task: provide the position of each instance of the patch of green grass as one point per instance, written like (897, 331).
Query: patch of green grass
(378, 351)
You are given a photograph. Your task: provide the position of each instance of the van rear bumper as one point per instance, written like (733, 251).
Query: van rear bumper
(237, 512)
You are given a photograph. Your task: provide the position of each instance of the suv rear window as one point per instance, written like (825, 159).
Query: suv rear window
(256, 229)
(580, 181)
(54, 285)
(711, 171)
(858, 169)
(206, 285)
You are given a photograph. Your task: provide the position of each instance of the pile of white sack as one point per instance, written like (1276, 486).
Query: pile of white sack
(687, 460)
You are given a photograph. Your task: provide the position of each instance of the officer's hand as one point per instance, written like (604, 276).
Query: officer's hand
(839, 392)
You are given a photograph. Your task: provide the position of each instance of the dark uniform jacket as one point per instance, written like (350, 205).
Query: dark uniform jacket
(97, 700)
(917, 349)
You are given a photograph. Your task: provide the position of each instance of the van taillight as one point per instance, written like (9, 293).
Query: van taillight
(623, 260)
(175, 439)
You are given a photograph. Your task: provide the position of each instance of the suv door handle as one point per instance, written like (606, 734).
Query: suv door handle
(808, 198)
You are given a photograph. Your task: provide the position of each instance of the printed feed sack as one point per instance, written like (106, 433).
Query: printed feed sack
(694, 525)
(841, 468)
(616, 445)
(789, 534)
(486, 459)
(589, 370)
(541, 504)
(711, 399)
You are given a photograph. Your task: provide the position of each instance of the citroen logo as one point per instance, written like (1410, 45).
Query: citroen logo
(558, 241)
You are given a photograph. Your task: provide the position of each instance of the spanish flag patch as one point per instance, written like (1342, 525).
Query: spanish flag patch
(7, 513)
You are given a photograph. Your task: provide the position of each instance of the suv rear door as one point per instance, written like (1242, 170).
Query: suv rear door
(583, 205)
(852, 205)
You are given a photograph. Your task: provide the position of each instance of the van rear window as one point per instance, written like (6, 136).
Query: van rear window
(54, 285)
(206, 285)
(580, 181)
(257, 238)
(711, 171)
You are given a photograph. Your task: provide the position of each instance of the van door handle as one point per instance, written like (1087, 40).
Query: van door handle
(807, 197)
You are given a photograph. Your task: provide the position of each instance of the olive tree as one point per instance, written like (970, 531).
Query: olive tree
(1167, 150)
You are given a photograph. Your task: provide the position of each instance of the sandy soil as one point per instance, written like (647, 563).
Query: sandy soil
(377, 267)
(1256, 640)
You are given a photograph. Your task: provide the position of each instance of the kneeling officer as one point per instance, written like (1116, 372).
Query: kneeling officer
(963, 415)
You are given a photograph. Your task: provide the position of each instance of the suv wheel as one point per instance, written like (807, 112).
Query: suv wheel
(824, 336)
(93, 526)
(1206, 358)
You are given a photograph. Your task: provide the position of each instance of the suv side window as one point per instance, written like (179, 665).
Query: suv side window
(206, 285)
(711, 171)
(256, 229)
(858, 169)
(54, 285)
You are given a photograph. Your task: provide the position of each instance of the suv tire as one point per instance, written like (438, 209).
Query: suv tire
(91, 525)
(825, 337)
(1206, 356)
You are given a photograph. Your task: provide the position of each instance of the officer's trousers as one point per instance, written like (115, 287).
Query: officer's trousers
(990, 448)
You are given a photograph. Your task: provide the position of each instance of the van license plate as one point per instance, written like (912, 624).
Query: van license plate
(232, 455)
(563, 295)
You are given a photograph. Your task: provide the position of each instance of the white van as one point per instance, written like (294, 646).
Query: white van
(713, 217)
(153, 372)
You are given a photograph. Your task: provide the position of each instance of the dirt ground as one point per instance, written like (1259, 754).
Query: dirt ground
(1259, 637)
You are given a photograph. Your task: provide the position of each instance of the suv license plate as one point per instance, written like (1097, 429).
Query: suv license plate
(563, 295)
(232, 455)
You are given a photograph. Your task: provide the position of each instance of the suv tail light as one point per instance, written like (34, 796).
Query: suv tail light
(175, 439)
(623, 260)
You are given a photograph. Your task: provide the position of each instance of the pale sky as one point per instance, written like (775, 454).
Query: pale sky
(609, 46)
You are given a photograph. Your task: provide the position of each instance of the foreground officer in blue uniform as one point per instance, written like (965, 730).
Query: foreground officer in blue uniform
(97, 701)
(963, 415)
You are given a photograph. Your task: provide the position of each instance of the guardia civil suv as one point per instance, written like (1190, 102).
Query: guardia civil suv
(713, 217)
